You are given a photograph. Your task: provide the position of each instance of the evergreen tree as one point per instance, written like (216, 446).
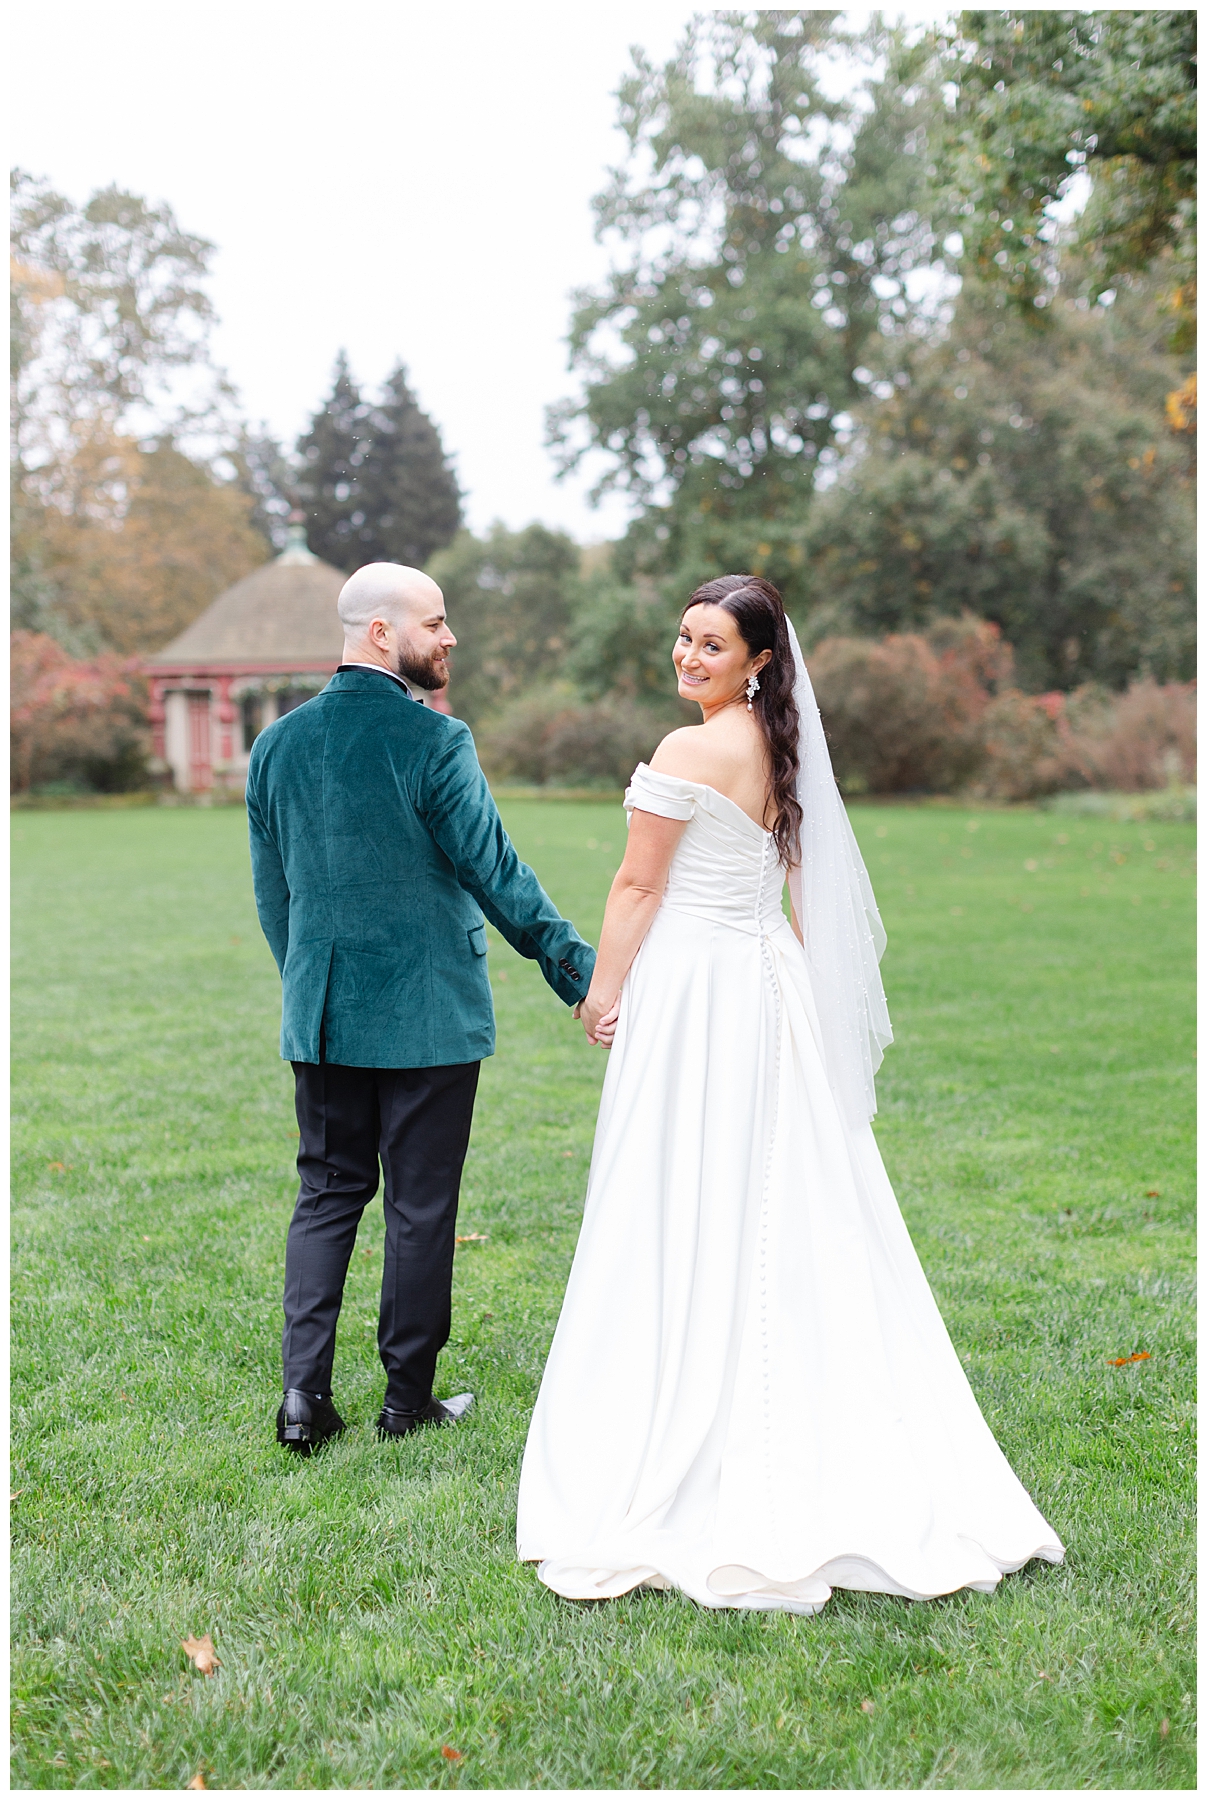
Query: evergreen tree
(410, 496)
(330, 486)
(375, 482)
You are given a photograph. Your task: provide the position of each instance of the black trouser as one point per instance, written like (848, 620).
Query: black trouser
(416, 1121)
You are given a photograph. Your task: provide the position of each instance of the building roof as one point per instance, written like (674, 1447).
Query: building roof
(281, 616)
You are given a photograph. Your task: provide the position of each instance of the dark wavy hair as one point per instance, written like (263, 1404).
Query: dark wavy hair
(758, 612)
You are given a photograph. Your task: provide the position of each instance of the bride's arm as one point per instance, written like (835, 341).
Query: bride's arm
(634, 899)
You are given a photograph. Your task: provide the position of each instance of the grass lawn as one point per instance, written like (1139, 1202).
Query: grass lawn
(367, 1607)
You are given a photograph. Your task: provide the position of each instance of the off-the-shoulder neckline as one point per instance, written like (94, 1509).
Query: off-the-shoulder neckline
(704, 788)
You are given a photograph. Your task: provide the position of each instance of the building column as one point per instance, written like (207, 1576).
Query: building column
(226, 719)
(201, 754)
(157, 713)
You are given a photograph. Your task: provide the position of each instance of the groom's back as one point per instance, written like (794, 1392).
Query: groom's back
(343, 773)
(381, 950)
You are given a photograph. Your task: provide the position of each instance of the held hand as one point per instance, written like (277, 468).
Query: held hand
(598, 1020)
(605, 1031)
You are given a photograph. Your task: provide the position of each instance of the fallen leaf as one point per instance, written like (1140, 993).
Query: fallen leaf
(54, 1165)
(1139, 1356)
(198, 1781)
(451, 1754)
(867, 1706)
(1152, 1193)
(567, 1154)
(1163, 1728)
(473, 1237)
(200, 1652)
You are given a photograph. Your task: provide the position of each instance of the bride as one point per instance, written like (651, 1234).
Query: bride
(751, 1395)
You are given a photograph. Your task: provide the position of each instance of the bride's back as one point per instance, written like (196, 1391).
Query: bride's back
(728, 753)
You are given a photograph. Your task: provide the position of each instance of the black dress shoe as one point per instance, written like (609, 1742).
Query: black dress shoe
(393, 1423)
(304, 1421)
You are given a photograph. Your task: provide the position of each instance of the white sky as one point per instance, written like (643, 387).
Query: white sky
(400, 179)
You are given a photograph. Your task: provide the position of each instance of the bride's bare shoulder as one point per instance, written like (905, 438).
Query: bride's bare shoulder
(682, 754)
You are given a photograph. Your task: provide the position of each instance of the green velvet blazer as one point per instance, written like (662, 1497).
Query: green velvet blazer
(376, 848)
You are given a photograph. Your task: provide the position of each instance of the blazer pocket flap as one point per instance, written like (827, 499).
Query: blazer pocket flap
(477, 939)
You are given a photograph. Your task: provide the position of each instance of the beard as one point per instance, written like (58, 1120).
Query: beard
(428, 672)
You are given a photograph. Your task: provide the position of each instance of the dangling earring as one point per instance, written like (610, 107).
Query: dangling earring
(752, 688)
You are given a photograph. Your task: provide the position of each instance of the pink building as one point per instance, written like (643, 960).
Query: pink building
(264, 646)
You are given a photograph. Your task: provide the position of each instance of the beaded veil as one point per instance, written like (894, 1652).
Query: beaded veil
(843, 936)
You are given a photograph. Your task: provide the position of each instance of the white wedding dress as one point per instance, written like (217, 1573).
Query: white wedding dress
(750, 1395)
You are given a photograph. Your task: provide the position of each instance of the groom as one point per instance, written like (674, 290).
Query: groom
(376, 848)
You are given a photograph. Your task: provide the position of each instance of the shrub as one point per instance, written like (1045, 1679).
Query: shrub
(903, 715)
(74, 724)
(1130, 743)
(937, 712)
(554, 737)
(1023, 751)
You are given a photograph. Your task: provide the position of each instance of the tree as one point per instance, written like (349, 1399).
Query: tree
(375, 483)
(119, 537)
(768, 378)
(411, 499)
(622, 638)
(510, 600)
(268, 477)
(332, 455)
(770, 234)
(1043, 96)
(1030, 478)
(108, 310)
(128, 546)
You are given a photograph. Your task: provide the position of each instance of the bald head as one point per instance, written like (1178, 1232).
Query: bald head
(388, 591)
(394, 616)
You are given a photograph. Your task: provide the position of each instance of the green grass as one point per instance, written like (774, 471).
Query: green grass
(367, 1606)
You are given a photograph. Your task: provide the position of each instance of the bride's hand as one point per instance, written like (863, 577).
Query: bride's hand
(605, 1031)
(598, 1020)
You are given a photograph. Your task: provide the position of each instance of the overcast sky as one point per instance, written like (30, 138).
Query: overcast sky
(405, 180)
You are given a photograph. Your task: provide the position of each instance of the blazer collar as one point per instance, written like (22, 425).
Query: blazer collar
(355, 672)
